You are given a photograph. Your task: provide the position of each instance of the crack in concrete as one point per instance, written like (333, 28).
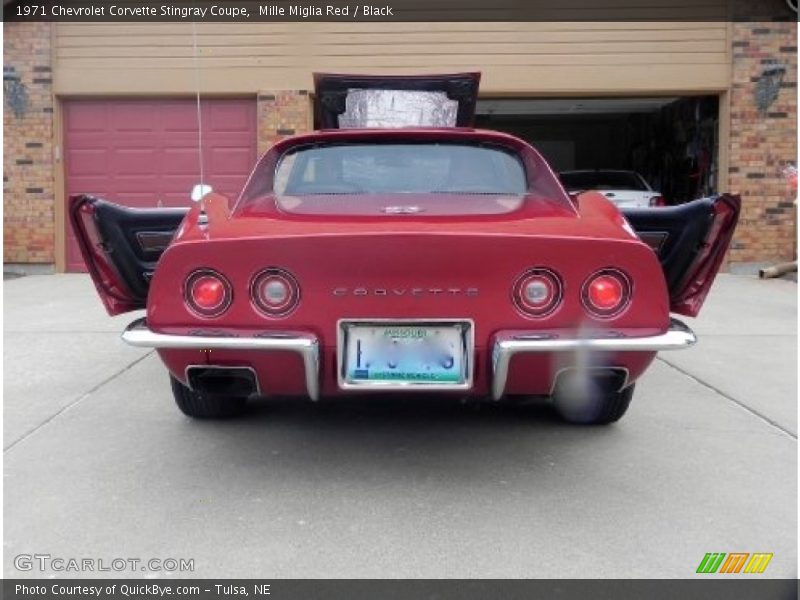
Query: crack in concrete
(75, 402)
(730, 398)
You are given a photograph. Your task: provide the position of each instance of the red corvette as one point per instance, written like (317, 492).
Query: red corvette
(368, 257)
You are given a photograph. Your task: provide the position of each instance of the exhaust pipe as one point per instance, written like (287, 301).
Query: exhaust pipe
(233, 382)
(778, 270)
(572, 380)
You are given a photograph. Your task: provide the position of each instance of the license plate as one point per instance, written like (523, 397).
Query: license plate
(403, 355)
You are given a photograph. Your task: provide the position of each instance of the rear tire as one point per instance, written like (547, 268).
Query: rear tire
(201, 406)
(598, 409)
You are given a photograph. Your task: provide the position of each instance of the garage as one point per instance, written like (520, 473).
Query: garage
(671, 141)
(599, 93)
(144, 153)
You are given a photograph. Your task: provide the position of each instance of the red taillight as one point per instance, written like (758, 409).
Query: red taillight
(207, 293)
(275, 292)
(537, 292)
(658, 201)
(606, 293)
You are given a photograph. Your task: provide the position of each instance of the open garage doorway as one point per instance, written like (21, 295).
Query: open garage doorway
(672, 142)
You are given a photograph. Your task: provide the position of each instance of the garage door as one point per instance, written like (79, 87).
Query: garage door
(144, 153)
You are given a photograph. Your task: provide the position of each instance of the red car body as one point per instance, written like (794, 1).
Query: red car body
(371, 258)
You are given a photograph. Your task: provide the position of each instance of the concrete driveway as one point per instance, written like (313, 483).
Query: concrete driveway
(100, 464)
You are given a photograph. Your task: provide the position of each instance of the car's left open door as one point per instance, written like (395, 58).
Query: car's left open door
(121, 247)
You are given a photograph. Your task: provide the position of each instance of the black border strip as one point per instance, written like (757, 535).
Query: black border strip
(250, 11)
(742, 587)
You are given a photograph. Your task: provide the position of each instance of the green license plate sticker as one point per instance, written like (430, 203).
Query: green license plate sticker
(405, 353)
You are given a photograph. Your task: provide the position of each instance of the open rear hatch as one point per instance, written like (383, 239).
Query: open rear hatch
(121, 247)
(690, 240)
(366, 101)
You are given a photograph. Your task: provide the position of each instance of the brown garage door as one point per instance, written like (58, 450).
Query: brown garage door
(144, 152)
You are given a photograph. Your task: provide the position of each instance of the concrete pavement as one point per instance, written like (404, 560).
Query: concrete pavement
(99, 463)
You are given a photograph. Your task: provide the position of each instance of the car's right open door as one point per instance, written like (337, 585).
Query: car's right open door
(691, 240)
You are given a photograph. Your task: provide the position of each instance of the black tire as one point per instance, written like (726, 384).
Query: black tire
(200, 406)
(599, 408)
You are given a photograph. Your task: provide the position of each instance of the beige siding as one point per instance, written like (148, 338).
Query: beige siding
(515, 58)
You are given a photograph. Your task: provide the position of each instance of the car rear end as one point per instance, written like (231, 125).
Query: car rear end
(466, 308)
(442, 260)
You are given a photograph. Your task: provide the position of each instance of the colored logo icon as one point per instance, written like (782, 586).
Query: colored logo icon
(734, 562)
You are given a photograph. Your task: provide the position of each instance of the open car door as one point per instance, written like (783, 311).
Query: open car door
(691, 240)
(359, 101)
(121, 247)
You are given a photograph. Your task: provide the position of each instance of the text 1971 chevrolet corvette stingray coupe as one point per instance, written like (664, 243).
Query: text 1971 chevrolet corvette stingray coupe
(374, 257)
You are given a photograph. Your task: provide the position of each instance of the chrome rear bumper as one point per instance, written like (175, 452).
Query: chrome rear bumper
(304, 344)
(507, 344)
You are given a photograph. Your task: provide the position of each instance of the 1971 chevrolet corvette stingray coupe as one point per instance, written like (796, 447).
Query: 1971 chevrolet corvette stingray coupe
(374, 256)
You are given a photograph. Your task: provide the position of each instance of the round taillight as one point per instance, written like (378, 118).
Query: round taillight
(537, 292)
(606, 293)
(207, 293)
(275, 292)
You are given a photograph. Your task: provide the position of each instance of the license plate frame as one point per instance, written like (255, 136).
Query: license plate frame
(466, 328)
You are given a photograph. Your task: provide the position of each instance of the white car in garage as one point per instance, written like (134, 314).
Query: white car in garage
(626, 189)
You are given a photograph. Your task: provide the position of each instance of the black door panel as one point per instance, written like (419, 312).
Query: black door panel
(675, 232)
(690, 240)
(121, 246)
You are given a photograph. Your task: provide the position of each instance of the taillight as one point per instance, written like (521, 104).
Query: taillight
(207, 293)
(658, 201)
(606, 293)
(537, 292)
(275, 292)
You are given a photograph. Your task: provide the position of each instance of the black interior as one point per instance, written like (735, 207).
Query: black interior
(676, 233)
(135, 238)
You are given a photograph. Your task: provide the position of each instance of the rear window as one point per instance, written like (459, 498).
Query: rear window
(602, 180)
(397, 168)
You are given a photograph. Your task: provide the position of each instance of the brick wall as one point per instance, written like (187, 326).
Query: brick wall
(28, 203)
(281, 114)
(763, 143)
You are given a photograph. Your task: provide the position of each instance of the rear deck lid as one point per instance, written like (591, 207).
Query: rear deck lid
(388, 101)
